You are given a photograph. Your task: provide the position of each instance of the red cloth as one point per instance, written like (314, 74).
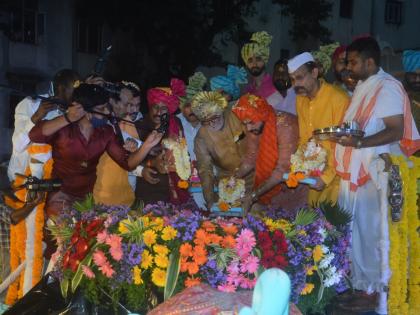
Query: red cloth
(257, 109)
(170, 97)
(75, 158)
(338, 51)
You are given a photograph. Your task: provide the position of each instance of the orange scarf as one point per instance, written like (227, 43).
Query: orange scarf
(255, 108)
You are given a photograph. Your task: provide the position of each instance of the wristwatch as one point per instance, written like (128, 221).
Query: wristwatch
(359, 144)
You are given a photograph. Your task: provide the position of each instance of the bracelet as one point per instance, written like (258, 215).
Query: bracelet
(359, 144)
(67, 118)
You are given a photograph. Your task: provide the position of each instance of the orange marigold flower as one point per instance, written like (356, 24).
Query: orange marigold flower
(208, 226)
(200, 255)
(184, 265)
(190, 282)
(215, 239)
(294, 179)
(228, 241)
(223, 206)
(183, 184)
(192, 268)
(230, 229)
(201, 237)
(185, 250)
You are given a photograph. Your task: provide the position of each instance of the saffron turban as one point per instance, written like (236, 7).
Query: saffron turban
(208, 104)
(170, 96)
(338, 51)
(324, 54)
(298, 61)
(256, 109)
(196, 84)
(258, 47)
(230, 82)
(411, 60)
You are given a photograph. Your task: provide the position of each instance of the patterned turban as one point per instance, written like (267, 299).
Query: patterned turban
(323, 55)
(229, 83)
(338, 51)
(259, 46)
(208, 104)
(411, 60)
(170, 96)
(196, 84)
(255, 108)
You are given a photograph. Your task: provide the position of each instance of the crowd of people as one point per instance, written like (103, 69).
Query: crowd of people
(92, 136)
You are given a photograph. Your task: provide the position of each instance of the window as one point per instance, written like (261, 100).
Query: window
(89, 37)
(346, 9)
(393, 12)
(26, 24)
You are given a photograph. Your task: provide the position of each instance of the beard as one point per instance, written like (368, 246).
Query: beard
(256, 71)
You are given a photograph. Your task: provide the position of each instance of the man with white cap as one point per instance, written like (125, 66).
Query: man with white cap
(318, 105)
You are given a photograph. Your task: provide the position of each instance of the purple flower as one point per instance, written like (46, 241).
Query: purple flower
(135, 253)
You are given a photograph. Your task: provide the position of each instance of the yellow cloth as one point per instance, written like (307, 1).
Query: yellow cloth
(326, 109)
(112, 186)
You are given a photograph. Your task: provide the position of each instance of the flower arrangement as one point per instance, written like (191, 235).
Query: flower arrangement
(231, 190)
(308, 160)
(141, 259)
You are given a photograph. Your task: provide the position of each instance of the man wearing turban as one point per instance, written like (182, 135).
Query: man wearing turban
(255, 55)
(342, 77)
(319, 105)
(219, 144)
(191, 125)
(272, 139)
(411, 63)
(159, 180)
(228, 85)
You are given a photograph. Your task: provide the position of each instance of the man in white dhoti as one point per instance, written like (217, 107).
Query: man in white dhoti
(381, 108)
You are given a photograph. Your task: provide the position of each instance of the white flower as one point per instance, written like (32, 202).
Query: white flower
(323, 234)
(231, 189)
(332, 277)
(326, 261)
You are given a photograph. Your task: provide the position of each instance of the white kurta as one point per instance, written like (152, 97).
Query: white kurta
(369, 204)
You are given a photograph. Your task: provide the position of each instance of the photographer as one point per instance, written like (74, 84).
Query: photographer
(78, 139)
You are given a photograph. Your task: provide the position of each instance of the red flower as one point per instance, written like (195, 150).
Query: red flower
(74, 263)
(281, 262)
(82, 247)
(66, 259)
(94, 227)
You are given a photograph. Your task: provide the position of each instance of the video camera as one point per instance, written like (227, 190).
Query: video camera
(34, 184)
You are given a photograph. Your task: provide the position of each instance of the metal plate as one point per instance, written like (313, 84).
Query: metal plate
(336, 131)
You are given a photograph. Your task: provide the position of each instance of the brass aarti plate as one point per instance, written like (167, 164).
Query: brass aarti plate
(336, 131)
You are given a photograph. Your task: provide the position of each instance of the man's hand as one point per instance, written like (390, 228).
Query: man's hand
(319, 185)
(246, 203)
(346, 141)
(44, 108)
(20, 214)
(148, 174)
(153, 139)
(130, 145)
(75, 112)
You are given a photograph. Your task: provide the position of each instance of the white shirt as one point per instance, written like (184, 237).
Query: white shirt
(284, 104)
(20, 139)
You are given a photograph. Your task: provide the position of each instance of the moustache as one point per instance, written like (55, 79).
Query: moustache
(299, 89)
(191, 115)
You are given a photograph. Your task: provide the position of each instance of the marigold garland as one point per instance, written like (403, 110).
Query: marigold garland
(404, 256)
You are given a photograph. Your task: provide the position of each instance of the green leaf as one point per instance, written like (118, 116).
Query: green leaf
(85, 205)
(63, 233)
(172, 273)
(135, 229)
(79, 273)
(334, 214)
(305, 217)
(64, 286)
(222, 256)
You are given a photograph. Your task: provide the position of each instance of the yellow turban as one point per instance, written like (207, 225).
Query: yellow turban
(258, 47)
(208, 104)
(324, 55)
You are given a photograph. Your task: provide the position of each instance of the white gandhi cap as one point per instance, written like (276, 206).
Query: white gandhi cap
(299, 60)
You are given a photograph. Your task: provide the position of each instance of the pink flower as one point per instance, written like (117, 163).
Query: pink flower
(245, 242)
(250, 264)
(226, 288)
(235, 279)
(248, 283)
(116, 253)
(107, 270)
(233, 268)
(99, 258)
(102, 237)
(88, 272)
(108, 222)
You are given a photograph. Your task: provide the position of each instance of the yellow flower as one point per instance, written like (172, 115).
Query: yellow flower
(146, 221)
(307, 289)
(137, 275)
(161, 249)
(169, 233)
(310, 270)
(317, 253)
(161, 261)
(157, 224)
(122, 227)
(149, 238)
(302, 232)
(146, 259)
(159, 277)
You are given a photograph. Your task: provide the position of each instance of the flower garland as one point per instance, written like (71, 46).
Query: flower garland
(182, 158)
(231, 190)
(404, 247)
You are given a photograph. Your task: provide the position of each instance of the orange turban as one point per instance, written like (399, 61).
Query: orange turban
(255, 108)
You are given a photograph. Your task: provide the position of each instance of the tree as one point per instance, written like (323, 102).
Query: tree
(307, 16)
(156, 40)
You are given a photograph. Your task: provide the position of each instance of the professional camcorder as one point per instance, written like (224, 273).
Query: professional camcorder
(35, 184)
